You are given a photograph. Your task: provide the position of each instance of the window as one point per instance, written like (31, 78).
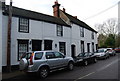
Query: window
(36, 45)
(38, 55)
(81, 31)
(82, 47)
(92, 35)
(24, 25)
(59, 30)
(58, 55)
(62, 47)
(50, 55)
(48, 44)
(22, 47)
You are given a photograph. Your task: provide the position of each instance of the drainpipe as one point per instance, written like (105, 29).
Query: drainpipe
(9, 38)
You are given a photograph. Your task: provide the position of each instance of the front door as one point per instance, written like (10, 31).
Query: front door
(88, 47)
(73, 50)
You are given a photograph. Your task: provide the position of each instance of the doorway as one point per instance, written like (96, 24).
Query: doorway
(73, 48)
(88, 47)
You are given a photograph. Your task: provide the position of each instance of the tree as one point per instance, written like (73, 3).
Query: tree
(108, 27)
(101, 40)
(110, 41)
(107, 33)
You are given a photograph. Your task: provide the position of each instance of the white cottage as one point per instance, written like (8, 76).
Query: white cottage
(33, 31)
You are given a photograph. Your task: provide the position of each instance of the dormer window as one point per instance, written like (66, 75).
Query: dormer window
(24, 25)
(59, 30)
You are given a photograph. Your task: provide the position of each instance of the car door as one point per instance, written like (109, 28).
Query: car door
(61, 59)
(52, 61)
(87, 57)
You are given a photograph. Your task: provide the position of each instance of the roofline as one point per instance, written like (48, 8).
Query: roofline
(82, 22)
(14, 15)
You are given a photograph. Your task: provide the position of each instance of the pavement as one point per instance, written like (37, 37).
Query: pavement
(11, 74)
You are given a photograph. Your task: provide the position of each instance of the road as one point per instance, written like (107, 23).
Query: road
(102, 70)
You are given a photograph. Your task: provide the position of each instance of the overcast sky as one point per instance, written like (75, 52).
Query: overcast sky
(83, 9)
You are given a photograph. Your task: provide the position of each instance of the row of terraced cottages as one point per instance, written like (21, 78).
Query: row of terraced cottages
(33, 31)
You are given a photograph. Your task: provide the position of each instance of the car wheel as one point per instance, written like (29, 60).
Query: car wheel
(108, 56)
(43, 72)
(114, 54)
(95, 60)
(70, 66)
(85, 62)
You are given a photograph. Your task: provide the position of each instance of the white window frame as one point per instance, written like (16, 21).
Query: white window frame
(59, 30)
(24, 25)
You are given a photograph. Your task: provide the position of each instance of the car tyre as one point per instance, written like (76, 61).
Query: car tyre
(43, 72)
(85, 62)
(70, 66)
(114, 54)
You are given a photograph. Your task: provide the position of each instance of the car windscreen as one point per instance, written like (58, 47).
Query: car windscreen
(81, 55)
(100, 51)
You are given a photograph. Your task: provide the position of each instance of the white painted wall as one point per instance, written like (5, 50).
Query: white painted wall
(38, 30)
(41, 30)
(76, 38)
(0, 39)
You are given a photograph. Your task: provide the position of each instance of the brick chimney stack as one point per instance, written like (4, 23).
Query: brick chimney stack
(75, 17)
(56, 9)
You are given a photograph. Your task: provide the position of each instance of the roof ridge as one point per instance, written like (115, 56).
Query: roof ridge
(86, 25)
(31, 11)
(21, 12)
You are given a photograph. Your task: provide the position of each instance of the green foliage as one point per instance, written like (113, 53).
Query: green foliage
(110, 41)
(107, 41)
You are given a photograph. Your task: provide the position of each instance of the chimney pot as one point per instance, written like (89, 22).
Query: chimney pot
(63, 9)
(75, 17)
(56, 2)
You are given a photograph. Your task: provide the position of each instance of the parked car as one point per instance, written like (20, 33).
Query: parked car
(85, 58)
(117, 50)
(111, 52)
(43, 62)
(102, 53)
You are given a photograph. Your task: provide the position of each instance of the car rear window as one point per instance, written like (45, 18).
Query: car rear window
(38, 55)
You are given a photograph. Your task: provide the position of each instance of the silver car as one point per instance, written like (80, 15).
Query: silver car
(102, 53)
(43, 62)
